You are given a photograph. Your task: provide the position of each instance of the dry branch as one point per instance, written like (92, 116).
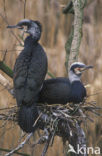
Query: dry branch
(73, 44)
(6, 84)
(20, 145)
(18, 153)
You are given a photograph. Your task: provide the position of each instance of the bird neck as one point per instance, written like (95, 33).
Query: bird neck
(30, 42)
(73, 77)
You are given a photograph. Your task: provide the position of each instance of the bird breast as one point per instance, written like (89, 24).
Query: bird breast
(29, 72)
(77, 92)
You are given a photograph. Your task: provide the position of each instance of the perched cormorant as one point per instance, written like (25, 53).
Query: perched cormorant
(29, 73)
(62, 90)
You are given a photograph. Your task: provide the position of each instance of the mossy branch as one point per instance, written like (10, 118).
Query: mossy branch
(78, 6)
(51, 75)
(72, 51)
(73, 44)
(6, 69)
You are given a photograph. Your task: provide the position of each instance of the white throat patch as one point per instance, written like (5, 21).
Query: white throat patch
(73, 77)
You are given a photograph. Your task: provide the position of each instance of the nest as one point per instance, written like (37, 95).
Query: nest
(61, 120)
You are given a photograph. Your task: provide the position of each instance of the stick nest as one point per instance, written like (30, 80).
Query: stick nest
(61, 120)
(52, 117)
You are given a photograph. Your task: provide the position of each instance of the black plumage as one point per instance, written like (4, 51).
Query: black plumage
(77, 92)
(29, 73)
(64, 90)
(27, 116)
(60, 90)
(52, 91)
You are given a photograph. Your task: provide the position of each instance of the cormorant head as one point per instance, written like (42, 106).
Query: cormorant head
(29, 26)
(76, 70)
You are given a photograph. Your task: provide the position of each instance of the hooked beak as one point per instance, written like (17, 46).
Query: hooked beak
(86, 68)
(15, 26)
(21, 24)
(19, 27)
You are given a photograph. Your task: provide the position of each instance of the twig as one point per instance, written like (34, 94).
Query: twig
(97, 93)
(20, 145)
(19, 153)
(94, 112)
(6, 84)
(1, 109)
(46, 145)
(10, 50)
(4, 57)
(50, 74)
(25, 8)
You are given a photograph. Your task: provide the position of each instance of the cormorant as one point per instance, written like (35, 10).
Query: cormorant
(63, 90)
(29, 73)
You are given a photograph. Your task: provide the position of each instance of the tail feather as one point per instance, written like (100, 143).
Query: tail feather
(27, 115)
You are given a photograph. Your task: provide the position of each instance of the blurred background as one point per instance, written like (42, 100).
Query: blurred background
(56, 29)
